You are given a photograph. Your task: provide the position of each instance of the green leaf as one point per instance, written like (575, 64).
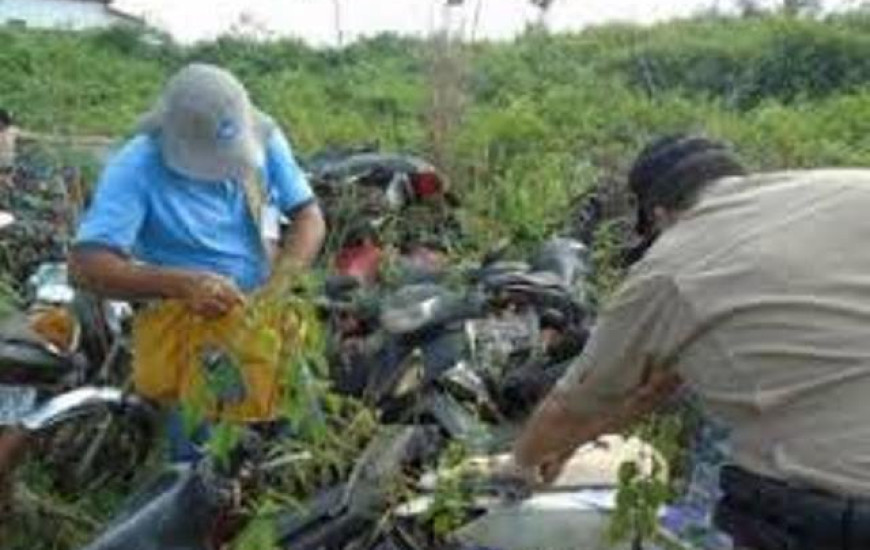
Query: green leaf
(224, 438)
(258, 534)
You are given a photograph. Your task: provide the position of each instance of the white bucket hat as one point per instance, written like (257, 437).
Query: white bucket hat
(206, 125)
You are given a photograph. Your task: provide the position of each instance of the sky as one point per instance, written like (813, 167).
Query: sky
(315, 21)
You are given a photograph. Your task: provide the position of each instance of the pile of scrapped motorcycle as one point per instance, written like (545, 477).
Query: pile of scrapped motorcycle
(62, 353)
(447, 354)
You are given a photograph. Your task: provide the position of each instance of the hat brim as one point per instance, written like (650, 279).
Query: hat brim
(200, 161)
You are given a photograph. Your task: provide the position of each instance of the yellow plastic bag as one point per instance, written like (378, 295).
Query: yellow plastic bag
(177, 353)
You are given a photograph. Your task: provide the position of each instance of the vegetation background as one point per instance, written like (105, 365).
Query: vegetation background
(522, 128)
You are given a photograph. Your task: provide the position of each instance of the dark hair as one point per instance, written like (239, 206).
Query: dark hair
(672, 170)
(5, 118)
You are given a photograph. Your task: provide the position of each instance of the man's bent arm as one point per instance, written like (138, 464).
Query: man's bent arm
(555, 431)
(624, 371)
(110, 275)
(308, 230)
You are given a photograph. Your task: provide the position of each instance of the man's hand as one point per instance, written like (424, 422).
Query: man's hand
(108, 274)
(554, 432)
(211, 295)
(551, 467)
(510, 479)
(302, 245)
(529, 478)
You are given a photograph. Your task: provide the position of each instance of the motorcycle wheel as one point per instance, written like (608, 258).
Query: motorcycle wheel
(105, 448)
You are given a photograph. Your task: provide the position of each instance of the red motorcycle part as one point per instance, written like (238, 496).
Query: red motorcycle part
(361, 261)
(426, 184)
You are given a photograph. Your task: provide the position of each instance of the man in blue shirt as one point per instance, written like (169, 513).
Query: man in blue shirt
(188, 210)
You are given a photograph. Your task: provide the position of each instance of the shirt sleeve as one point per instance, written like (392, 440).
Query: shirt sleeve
(642, 328)
(116, 213)
(289, 188)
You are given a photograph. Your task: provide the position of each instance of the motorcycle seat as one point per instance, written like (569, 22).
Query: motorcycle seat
(537, 279)
(566, 258)
(26, 357)
(415, 308)
(31, 362)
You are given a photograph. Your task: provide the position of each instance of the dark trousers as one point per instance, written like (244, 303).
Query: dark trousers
(766, 514)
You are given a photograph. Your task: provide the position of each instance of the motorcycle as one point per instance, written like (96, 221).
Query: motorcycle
(386, 502)
(417, 369)
(574, 512)
(501, 343)
(187, 508)
(377, 201)
(61, 384)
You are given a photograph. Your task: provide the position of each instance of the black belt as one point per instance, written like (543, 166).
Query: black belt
(766, 514)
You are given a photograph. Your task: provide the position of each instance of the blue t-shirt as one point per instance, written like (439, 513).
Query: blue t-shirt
(145, 210)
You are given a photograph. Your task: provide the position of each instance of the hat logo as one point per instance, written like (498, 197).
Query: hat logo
(227, 130)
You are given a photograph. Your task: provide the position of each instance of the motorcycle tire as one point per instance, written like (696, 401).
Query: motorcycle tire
(105, 448)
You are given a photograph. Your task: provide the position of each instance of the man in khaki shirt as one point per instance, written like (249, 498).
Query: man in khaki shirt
(755, 294)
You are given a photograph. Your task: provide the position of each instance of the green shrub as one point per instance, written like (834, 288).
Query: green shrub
(789, 92)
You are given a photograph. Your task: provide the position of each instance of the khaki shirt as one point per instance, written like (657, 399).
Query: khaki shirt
(759, 297)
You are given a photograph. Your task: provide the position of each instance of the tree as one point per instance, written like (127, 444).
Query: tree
(749, 8)
(339, 33)
(249, 27)
(544, 7)
(802, 7)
